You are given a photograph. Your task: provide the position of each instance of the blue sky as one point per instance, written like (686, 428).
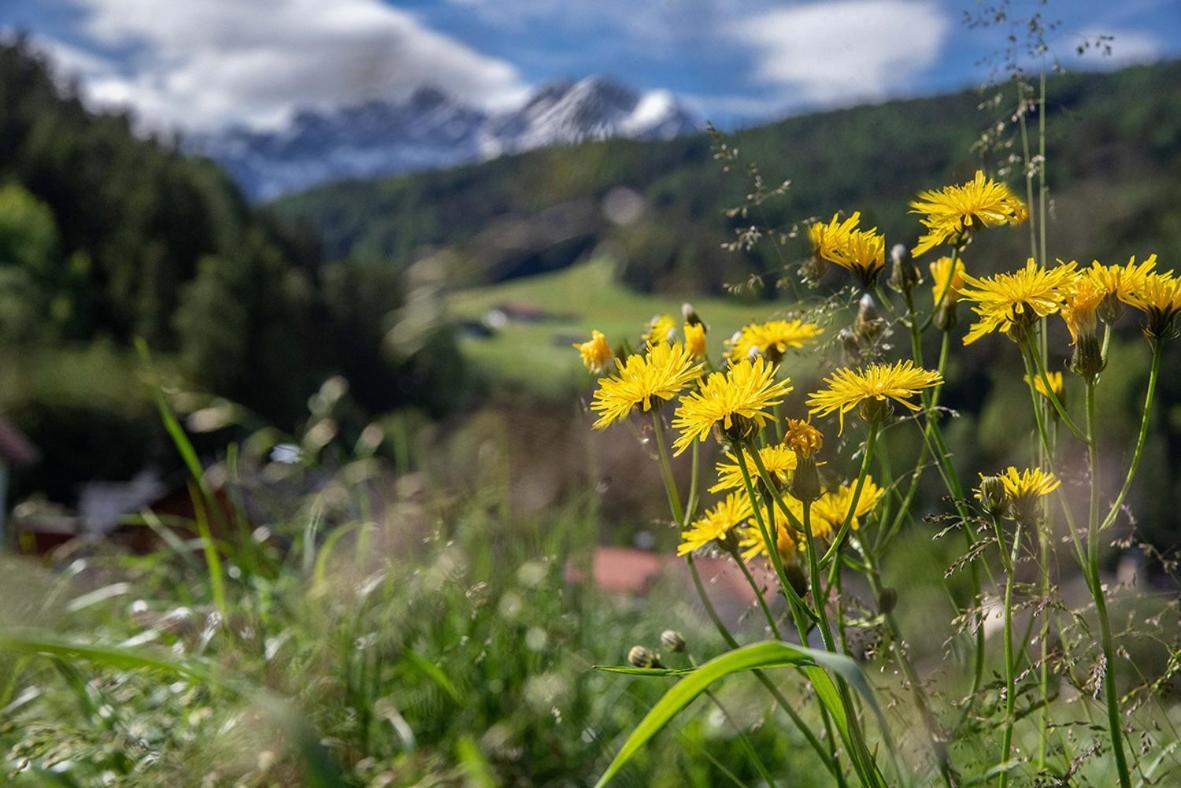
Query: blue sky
(199, 64)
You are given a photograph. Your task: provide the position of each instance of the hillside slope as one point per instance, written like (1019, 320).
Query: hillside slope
(1114, 151)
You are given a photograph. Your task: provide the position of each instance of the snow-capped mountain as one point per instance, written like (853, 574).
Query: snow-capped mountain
(431, 130)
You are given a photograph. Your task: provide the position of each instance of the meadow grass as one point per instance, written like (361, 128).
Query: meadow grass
(536, 357)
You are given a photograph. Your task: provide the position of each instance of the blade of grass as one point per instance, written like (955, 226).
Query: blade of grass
(768, 654)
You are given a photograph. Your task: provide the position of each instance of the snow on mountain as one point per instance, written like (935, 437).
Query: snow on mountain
(431, 130)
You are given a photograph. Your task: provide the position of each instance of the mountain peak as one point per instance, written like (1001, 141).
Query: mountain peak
(431, 129)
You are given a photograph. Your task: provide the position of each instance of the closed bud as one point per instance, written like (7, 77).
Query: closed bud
(887, 600)
(1087, 360)
(946, 317)
(805, 482)
(991, 493)
(868, 325)
(904, 274)
(672, 641)
(640, 657)
(797, 577)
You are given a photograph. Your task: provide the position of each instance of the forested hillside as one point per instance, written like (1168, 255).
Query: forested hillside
(106, 236)
(541, 210)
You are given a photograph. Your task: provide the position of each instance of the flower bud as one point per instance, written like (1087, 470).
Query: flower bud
(672, 640)
(805, 482)
(797, 577)
(640, 657)
(690, 315)
(904, 274)
(991, 493)
(1087, 360)
(887, 600)
(946, 317)
(868, 324)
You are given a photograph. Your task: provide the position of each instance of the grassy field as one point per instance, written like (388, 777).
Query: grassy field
(537, 357)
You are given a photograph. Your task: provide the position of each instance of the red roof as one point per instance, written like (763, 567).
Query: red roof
(625, 570)
(15, 448)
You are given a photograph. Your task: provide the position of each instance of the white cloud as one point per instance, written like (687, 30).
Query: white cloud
(839, 52)
(1113, 48)
(200, 63)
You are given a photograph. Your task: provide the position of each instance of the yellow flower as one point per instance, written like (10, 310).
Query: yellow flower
(1022, 490)
(695, 339)
(752, 544)
(862, 252)
(779, 461)
(1120, 281)
(596, 353)
(661, 373)
(1158, 296)
(1016, 300)
(1057, 385)
(831, 508)
(951, 214)
(771, 339)
(660, 328)
(802, 438)
(737, 400)
(943, 291)
(716, 523)
(827, 239)
(875, 384)
(1080, 310)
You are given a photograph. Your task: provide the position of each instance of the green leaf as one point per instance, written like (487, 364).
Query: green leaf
(768, 654)
(43, 644)
(434, 673)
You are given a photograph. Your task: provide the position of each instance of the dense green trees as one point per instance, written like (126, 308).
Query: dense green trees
(106, 236)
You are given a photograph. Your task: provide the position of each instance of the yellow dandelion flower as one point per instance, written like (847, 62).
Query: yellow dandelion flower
(1081, 308)
(779, 461)
(1057, 384)
(861, 252)
(1022, 489)
(695, 339)
(876, 384)
(595, 352)
(946, 281)
(831, 508)
(952, 213)
(716, 523)
(771, 339)
(752, 544)
(827, 239)
(1120, 281)
(1012, 302)
(736, 400)
(802, 438)
(660, 328)
(661, 373)
(1158, 296)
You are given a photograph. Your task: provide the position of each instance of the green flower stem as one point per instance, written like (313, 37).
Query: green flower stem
(666, 471)
(866, 458)
(765, 530)
(829, 759)
(758, 593)
(934, 732)
(770, 484)
(694, 473)
(680, 517)
(1153, 374)
(1111, 691)
(1039, 368)
(1010, 661)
